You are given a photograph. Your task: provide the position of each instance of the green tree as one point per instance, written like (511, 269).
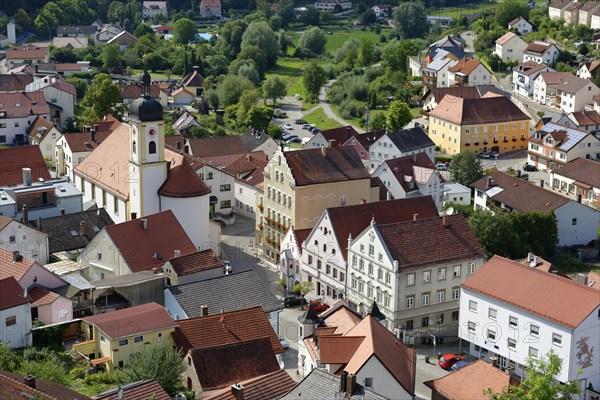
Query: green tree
(541, 382)
(311, 16)
(366, 53)
(395, 54)
(81, 85)
(230, 88)
(398, 116)
(368, 17)
(410, 19)
(465, 168)
(111, 56)
(537, 232)
(259, 117)
(274, 88)
(313, 78)
(22, 20)
(101, 98)
(287, 12)
(495, 233)
(261, 35)
(184, 31)
(42, 28)
(509, 10)
(313, 39)
(159, 361)
(143, 29)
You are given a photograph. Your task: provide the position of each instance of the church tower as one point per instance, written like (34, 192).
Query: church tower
(147, 165)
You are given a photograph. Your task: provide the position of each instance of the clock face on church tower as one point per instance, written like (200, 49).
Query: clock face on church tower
(151, 132)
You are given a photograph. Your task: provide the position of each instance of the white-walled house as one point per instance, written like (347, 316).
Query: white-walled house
(222, 189)
(436, 74)
(30, 242)
(19, 110)
(247, 171)
(61, 96)
(509, 47)
(45, 135)
(521, 25)
(49, 307)
(576, 93)
(545, 86)
(524, 75)
(405, 142)
(541, 52)
(469, 72)
(586, 69)
(290, 255)
(415, 285)
(411, 176)
(456, 193)
(577, 224)
(556, 9)
(15, 315)
(579, 177)
(529, 315)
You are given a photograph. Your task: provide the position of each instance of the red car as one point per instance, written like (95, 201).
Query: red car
(449, 360)
(318, 307)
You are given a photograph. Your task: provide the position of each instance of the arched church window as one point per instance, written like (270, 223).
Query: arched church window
(152, 147)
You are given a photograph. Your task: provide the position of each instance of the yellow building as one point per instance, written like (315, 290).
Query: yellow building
(299, 185)
(113, 337)
(480, 125)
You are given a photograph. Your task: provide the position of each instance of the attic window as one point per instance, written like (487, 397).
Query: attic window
(73, 232)
(157, 256)
(62, 189)
(96, 229)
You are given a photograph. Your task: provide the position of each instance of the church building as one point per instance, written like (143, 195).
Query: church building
(132, 175)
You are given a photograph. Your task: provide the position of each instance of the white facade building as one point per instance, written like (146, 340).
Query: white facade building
(30, 242)
(509, 47)
(402, 143)
(524, 75)
(59, 95)
(521, 25)
(15, 315)
(456, 193)
(541, 52)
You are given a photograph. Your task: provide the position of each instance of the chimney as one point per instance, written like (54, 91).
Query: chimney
(389, 195)
(17, 256)
(579, 198)
(530, 256)
(29, 380)
(415, 157)
(237, 390)
(323, 151)
(144, 223)
(582, 279)
(96, 127)
(494, 361)
(62, 211)
(92, 135)
(415, 216)
(541, 183)
(445, 221)
(343, 381)
(133, 215)
(489, 182)
(204, 310)
(24, 213)
(36, 68)
(350, 384)
(176, 253)
(26, 176)
(248, 157)
(347, 132)
(81, 228)
(39, 223)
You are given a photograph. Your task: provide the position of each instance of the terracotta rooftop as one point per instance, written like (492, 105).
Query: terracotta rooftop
(183, 181)
(426, 234)
(470, 382)
(196, 262)
(39, 128)
(141, 390)
(135, 91)
(586, 118)
(594, 280)
(80, 142)
(542, 265)
(226, 328)
(537, 47)
(210, 3)
(414, 169)
(4, 221)
(582, 170)
(268, 386)
(521, 195)
(14, 159)
(465, 66)
(144, 249)
(222, 366)
(23, 104)
(573, 84)
(40, 296)
(550, 296)
(27, 53)
(485, 110)
(131, 321)
(516, 20)
(248, 169)
(17, 269)
(529, 68)
(339, 135)
(366, 139)
(464, 92)
(340, 317)
(181, 90)
(555, 78)
(12, 294)
(325, 165)
(14, 82)
(13, 387)
(216, 146)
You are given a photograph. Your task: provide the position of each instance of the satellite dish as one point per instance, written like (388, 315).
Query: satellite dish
(450, 211)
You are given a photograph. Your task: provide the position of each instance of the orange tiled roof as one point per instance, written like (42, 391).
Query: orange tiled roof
(9, 269)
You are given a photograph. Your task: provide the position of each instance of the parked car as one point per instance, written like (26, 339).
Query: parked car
(447, 361)
(305, 126)
(315, 131)
(485, 155)
(221, 223)
(318, 306)
(311, 128)
(290, 300)
(300, 122)
(459, 365)
(284, 343)
(288, 126)
(441, 167)
(529, 167)
(294, 139)
(286, 136)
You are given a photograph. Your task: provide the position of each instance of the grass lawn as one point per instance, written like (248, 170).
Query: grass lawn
(416, 112)
(290, 71)
(157, 74)
(338, 36)
(321, 120)
(471, 8)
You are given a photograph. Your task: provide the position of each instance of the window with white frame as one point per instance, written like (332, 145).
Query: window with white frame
(456, 271)
(533, 352)
(441, 296)
(472, 327)
(425, 299)
(557, 339)
(492, 314)
(491, 334)
(455, 293)
(410, 302)
(471, 268)
(472, 305)
(513, 322)
(410, 279)
(426, 276)
(441, 274)
(534, 330)
(511, 343)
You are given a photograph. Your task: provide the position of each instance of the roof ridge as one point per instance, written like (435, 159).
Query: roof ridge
(213, 278)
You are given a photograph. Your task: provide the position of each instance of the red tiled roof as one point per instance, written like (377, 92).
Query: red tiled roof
(221, 329)
(269, 386)
(80, 142)
(555, 78)
(11, 294)
(339, 135)
(4, 221)
(466, 65)
(13, 387)
(366, 139)
(538, 47)
(14, 159)
(27, 53)
(581, 170)
(543, 265)
(417, 168)
(325, 165)
(337, 349)
(23, 104)
(550, 296)
(135, 91)
(183, 181)
(521, 195)
(470, 382)
(514, 21)
(181, 90)
(484, 110)
(14, 82)
(210, 3)
(587, 118)
(221, 366)
(529, 67)
(138, 246)
(9, 268)
(40, 296)
(141, 390)
(248, 169)
(196, 262)
(426, 234)
(217, 146)
(64, 86)
(134, 320)
(352, 220)
(39, 128)
(301, 235)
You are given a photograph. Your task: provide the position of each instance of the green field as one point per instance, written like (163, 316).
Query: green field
(290, 71)
(321, 120)
(339, 36)
(472, 8)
